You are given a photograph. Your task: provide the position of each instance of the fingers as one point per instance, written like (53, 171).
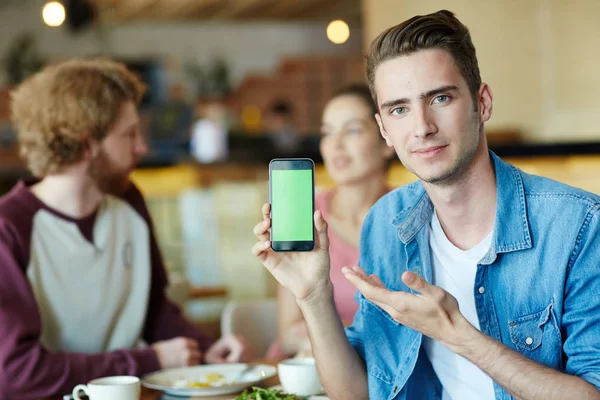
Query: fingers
(194, 357)
(191, 344)
(364, 285)
(190, 354)
(396, 304)
(429, 291)
(266, 211)
(213, 357)
(260, 247)
(374, 279)
(261, 230)
(228, 349)
(236, 350)
(360, 272)
(214, 353)
(193, 354)
(321, 225)
(417, 283)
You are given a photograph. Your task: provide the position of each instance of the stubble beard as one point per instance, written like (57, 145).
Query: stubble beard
(106, 177)
(460, 168)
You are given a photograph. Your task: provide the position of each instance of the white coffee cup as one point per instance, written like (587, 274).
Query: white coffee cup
(110, 388)
(299, 376)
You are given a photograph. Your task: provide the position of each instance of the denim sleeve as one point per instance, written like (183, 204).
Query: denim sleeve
(581, 319)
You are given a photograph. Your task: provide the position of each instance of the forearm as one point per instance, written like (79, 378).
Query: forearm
(293, 335)
(37, 373)
(522, 377)
(167, 322)
(331, 349)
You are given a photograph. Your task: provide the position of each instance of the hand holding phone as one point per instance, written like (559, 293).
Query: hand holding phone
(292, 193)
(301, 267)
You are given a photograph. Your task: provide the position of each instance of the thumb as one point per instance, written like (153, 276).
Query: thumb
(321, 225)
(235, 354)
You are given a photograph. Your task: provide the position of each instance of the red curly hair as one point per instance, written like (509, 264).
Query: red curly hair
(57, 110)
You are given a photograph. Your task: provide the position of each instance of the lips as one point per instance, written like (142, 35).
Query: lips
(428, 152)
(340, 162)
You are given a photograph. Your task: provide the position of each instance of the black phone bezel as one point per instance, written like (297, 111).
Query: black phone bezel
(292, 164)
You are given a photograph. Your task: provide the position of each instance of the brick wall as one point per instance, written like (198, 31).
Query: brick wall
(306, 83)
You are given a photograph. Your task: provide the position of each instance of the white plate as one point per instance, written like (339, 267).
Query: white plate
(165, 379)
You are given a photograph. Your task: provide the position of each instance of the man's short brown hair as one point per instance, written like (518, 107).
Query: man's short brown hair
(439, 30)
(57, 110)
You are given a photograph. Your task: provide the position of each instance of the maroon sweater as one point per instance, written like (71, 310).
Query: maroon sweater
(28, 370)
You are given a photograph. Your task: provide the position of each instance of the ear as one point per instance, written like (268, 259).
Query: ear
(486, 102)
(92, 149)
(382, 130)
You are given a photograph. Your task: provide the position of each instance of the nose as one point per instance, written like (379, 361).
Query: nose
(140, 147)
(424, 124)
(337, 140)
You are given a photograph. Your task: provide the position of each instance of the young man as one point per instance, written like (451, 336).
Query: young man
(517, 252)
(82, 277)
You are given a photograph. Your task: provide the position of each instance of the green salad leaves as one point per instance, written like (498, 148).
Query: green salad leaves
(266, 394)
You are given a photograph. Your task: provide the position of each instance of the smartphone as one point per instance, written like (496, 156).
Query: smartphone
(292, 197)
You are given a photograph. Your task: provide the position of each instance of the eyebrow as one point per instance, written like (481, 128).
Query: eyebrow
(433, 92)
(133, 125)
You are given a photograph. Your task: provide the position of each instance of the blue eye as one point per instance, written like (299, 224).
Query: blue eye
(441, 99)
(398, 111)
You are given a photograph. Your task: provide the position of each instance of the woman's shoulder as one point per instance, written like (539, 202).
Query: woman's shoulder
(322, 197)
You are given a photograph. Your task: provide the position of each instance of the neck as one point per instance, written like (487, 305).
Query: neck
(73, 194)
(467, 208)
(351, 202)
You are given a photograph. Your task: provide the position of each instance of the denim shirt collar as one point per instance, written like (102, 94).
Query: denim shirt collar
(511, 229)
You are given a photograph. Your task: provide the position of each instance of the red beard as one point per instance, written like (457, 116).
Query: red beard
(108, 178)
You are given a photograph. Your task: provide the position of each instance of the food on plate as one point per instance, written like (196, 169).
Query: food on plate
(266, 394)
(209, 380)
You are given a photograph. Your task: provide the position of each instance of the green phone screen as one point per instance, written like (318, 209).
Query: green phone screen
(292, 205)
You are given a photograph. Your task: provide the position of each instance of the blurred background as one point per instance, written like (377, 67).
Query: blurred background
(234, 83)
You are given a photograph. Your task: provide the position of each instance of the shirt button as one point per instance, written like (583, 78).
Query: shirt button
(529, 340)
(395, 389)
(481, 290)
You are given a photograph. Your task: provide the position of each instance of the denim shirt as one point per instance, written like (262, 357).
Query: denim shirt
(537, 290)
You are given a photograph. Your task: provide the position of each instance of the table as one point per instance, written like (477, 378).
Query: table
(149, 394)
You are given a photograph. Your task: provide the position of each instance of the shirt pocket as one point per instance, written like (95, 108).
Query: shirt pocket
(537, 336)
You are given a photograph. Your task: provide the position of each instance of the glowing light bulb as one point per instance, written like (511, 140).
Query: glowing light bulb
(338, 31)
(53, 13)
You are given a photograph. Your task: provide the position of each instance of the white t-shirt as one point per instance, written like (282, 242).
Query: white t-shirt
(454, 271)
(92, 297)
